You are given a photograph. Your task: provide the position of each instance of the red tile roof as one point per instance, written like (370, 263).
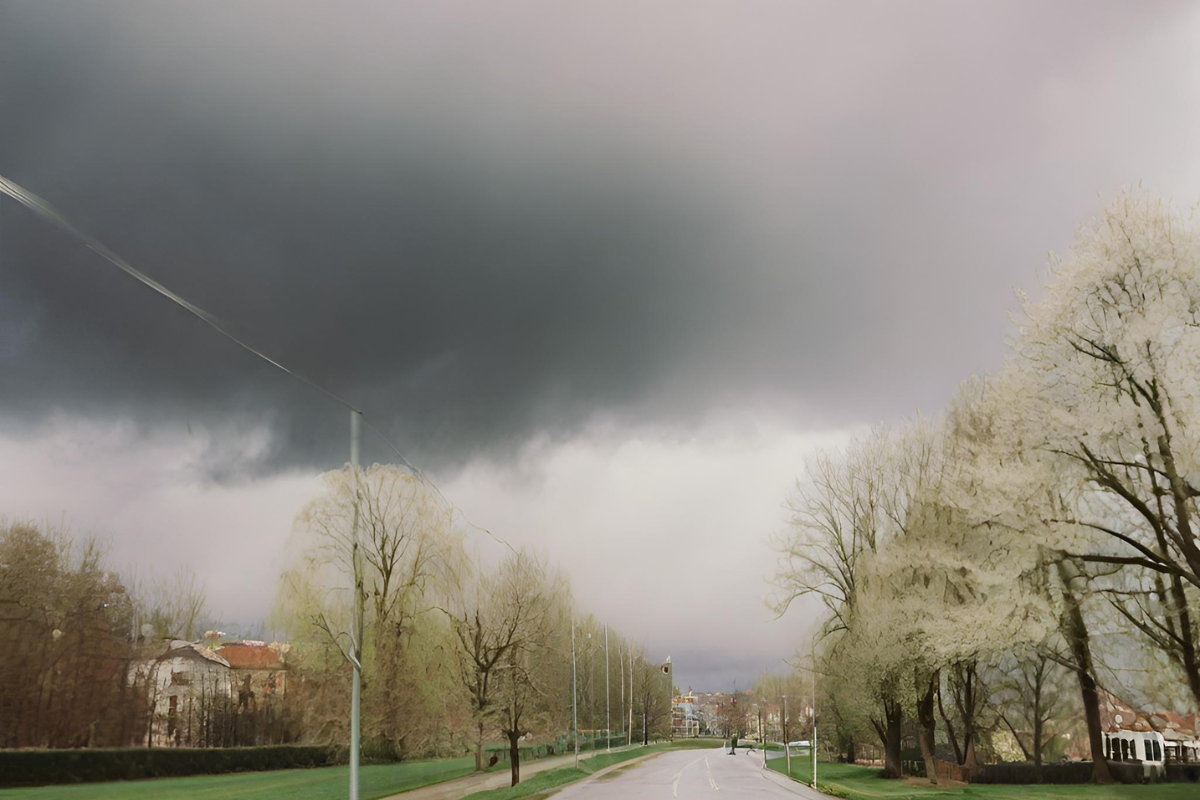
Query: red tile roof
(241, 655)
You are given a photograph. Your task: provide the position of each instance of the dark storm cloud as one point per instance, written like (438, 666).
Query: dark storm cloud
(480, 224)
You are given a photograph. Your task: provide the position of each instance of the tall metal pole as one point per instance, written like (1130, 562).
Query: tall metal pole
(621, 671)
(670, 700)
(762, 735)
(629, 733)
(814, 711)
(357, 624)
(607, 696)
(592, 692)
(786, 747)
(574, 695)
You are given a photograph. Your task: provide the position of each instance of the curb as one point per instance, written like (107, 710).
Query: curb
(793, 785)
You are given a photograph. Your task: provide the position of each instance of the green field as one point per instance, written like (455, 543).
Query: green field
(329, 783)
(863, 783)
(557, 778)
(323, 783)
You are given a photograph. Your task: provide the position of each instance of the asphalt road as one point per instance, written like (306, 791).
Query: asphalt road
(687, 775)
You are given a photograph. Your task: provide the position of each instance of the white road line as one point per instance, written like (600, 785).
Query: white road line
(711, 782)
(678, 775)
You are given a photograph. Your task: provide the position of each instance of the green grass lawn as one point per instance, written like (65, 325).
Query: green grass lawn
(322, 783)
(863, 783)
(551, 779)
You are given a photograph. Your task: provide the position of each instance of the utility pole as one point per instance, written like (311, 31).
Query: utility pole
(592, 692)
(814, 712)
(762, 734)
(357, 622)
(621, 670)
(608, 696)
(786, 746)
(574, 694)
(629, 732)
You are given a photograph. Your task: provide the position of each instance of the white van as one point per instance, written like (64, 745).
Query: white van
(1137, 747)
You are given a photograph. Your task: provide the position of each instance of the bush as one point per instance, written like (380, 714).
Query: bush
(1062, 772)
(1025, 772)
(1183, 773)
(32, 767)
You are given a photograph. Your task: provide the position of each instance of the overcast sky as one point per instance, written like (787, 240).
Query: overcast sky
(608, 271)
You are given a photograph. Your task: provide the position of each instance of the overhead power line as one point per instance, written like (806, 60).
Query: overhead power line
(48, 212)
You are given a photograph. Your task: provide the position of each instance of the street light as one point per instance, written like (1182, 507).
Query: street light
(787, 747)
(357, 623)
(574, 694)
(813, 670)
(607, 696)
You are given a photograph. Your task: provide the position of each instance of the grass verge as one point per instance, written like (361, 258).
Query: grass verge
(322, 783)
(545, 783)
(853, 782)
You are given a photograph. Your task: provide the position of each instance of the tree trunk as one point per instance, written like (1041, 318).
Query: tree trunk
(1075, 629)
(891, 756)
(479, 748)
(1191, 664)
(928, 728)
(514, 755)
(851, 756)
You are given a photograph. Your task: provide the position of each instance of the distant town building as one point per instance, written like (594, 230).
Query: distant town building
(189, 686)
(685, 716)
(199, 696)
(258, 671)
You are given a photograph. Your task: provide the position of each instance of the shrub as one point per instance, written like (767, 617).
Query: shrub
(32, 767)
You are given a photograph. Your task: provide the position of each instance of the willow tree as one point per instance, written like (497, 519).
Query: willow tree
(380, 536)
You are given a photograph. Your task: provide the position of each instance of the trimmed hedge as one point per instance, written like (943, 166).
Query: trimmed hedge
(33, 767)
(1025, 772)
(1183, 773)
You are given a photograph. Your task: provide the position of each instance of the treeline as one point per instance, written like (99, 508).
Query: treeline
(81, 645)
(457, 652)
(990, 574)
(65, 648)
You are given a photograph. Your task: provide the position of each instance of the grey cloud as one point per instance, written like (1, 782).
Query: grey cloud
(480, 224)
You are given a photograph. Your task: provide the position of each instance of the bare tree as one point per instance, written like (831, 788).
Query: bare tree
(1029, 698)
(498, 621)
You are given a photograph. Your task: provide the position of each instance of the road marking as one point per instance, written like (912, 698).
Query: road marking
(678, 775)
(711, 782)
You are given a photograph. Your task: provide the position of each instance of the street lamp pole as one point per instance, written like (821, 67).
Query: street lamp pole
(607, 696)
(762, 734)
(592, 691)
(357, 622)
(814, 711)
(629, 730)
(786, 746)
(574, 695)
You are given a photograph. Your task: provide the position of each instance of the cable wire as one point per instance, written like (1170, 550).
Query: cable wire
(48, 212)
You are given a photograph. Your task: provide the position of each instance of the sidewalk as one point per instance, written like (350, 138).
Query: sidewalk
(479, 781)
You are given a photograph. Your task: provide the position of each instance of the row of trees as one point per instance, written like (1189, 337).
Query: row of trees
(71, 630)
(456, 651)
(999, 567)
